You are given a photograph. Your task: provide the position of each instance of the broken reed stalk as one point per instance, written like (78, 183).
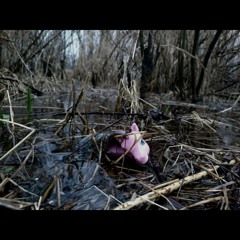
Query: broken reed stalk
(234, 104)
(11, 131)
(14, 204)
(38, 204)
(128, 95)
(10, 108)
(24, 139)
(144, 101)
(48, 189)
(225, 198)
(165, 190)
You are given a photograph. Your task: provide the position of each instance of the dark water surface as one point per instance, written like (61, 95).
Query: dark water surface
(87, 184)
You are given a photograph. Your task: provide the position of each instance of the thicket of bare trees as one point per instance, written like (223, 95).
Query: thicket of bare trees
(192, 63)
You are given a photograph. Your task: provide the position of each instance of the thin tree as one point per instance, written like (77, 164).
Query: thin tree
(205, 61)
(193, 65)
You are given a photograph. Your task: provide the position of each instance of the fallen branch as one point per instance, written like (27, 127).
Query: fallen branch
(165, 190)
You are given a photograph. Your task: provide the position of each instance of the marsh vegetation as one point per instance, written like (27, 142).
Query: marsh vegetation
(181, 87)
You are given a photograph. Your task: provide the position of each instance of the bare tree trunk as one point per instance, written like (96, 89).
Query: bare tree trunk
(63, 59)
(193, 65)
(147, 65)
(141, 42)
(28, 55)
(180, 76)
(1, 61)
(205, 62)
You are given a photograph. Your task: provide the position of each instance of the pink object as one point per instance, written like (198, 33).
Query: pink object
(139, 148)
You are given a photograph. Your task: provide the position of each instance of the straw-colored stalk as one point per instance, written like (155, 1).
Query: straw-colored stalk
(23, 140)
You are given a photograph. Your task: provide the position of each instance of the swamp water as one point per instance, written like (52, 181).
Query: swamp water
(33, 164)
(96, 184)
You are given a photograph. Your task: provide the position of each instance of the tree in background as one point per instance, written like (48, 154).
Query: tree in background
(191, 63)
